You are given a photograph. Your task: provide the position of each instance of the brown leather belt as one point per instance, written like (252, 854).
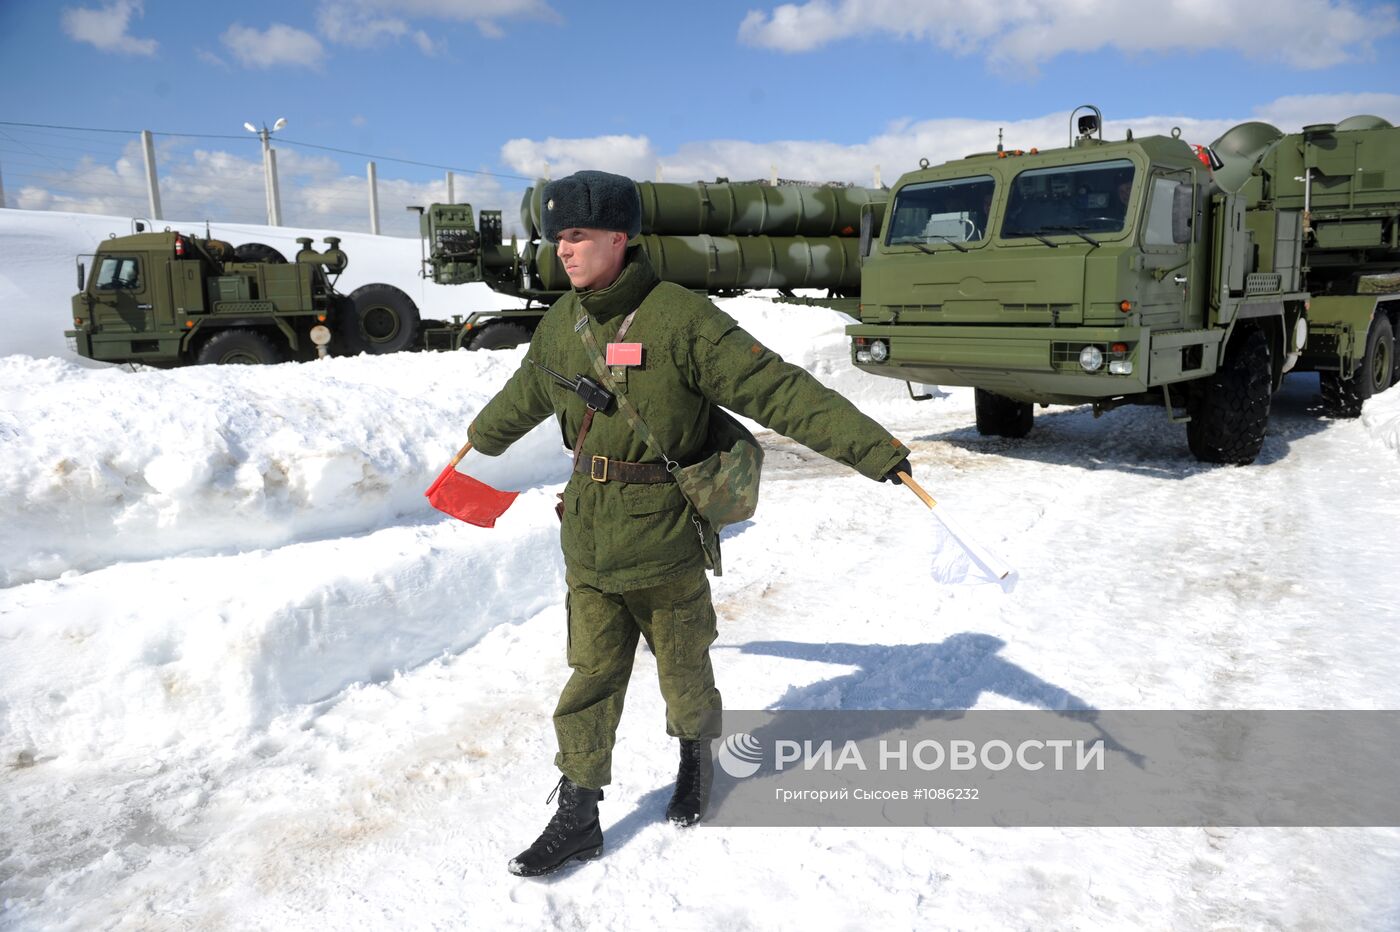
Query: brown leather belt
(602, 469)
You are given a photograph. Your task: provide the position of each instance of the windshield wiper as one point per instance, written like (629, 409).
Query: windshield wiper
(1077, 231)
(950, 241)
(1009, 233)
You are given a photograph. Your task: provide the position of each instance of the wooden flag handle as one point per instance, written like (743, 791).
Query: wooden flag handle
(917, 489)
(461, 453)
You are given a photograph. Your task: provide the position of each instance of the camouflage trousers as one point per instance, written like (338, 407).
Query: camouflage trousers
(678, 621)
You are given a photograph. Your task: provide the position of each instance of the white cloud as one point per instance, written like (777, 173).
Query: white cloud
(898, 148)
(106, 27)
(367, 23)
(1303, 33)
(627, 155)
(275, 46)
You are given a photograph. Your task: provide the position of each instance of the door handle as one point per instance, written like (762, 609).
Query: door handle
(143, 307)
(1179, 279)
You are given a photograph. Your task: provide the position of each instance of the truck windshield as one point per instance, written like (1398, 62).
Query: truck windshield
(1069, 199)
(948, 212)
(122, 272)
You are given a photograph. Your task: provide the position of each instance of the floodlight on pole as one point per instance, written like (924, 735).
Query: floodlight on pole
(274, 199)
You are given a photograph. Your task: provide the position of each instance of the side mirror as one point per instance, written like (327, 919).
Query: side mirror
(82, 276)
(867, 228)
(1182, 203)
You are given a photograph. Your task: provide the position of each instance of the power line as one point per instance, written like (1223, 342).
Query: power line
(282, 139)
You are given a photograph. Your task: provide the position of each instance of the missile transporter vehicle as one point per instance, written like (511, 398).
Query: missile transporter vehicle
(722, 239)
(1143, 271)
(167, 299)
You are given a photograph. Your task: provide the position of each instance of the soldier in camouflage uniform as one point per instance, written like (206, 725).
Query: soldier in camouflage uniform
(635, 562)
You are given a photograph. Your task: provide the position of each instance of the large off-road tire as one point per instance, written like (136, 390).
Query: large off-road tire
(501, 334)
(384, 320)
(1343, 397)
(1230, 410)
(242, 347)
(258, 252)
(998, 416)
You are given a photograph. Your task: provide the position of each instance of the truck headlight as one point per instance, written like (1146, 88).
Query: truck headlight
(863, 355)
(1090, 358)
(879, 351)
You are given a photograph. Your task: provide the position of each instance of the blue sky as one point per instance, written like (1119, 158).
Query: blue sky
(812, 90)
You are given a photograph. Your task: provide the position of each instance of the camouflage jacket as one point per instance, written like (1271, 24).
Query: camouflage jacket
(619, 536)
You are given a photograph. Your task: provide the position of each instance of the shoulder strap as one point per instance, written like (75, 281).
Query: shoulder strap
(629, 410)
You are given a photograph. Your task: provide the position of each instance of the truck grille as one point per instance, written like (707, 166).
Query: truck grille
(1040, 310)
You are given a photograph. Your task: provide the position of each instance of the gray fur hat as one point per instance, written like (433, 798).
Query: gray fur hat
(593, 200)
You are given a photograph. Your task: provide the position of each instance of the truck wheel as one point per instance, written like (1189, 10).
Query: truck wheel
(238, 347)
(1343, 397)
(1001, 417)
(385, 320)
(500, 335)
(1230, 411)
(258, 252)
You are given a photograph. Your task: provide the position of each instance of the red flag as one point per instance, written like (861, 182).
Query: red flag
(465, 498)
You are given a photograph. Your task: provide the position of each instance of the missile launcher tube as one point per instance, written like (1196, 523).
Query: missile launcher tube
(736, 263)
(728, 209)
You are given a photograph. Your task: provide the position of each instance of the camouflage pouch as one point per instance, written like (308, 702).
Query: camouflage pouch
(722, 489)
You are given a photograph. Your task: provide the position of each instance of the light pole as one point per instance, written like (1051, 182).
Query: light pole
(274, 198)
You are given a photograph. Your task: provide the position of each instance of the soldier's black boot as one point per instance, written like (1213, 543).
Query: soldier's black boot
(697, 772)
(573, 834)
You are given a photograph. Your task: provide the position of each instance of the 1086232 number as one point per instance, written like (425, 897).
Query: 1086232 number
(947, 793)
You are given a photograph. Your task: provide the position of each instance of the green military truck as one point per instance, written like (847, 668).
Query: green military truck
(168, 299)
(1143, 271)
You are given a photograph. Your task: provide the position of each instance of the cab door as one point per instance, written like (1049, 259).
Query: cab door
(1164, 290)
(121, 292)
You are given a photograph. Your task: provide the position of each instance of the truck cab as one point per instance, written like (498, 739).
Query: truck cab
(1106, 272)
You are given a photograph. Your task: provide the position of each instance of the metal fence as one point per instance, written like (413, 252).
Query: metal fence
(264, 177)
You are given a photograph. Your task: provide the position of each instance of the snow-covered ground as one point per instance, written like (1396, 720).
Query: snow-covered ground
(249, 679)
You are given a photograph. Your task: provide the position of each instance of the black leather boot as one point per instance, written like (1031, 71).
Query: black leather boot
(573, 834)
(697, 772)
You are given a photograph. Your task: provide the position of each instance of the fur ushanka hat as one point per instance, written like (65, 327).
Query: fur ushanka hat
(592, 200)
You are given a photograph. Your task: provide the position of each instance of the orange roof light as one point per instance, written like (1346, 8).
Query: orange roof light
(1125, 306)
(189, 323)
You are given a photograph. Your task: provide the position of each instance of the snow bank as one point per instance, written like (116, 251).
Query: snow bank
(1381, 415)
(107, 465)
(133, 659)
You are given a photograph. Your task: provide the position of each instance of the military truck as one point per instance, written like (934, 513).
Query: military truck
(720, 238)
(1143, 271)
(168, 299)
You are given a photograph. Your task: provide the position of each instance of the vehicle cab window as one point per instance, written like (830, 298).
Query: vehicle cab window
(1070, 199)
(119, 273)
(941, 212)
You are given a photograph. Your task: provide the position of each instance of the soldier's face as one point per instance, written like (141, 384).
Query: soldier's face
(592, 258)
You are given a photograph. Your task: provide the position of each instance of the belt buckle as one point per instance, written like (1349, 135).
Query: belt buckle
(598, 469)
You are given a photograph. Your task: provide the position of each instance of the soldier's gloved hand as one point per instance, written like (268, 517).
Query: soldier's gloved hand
(893, 475)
